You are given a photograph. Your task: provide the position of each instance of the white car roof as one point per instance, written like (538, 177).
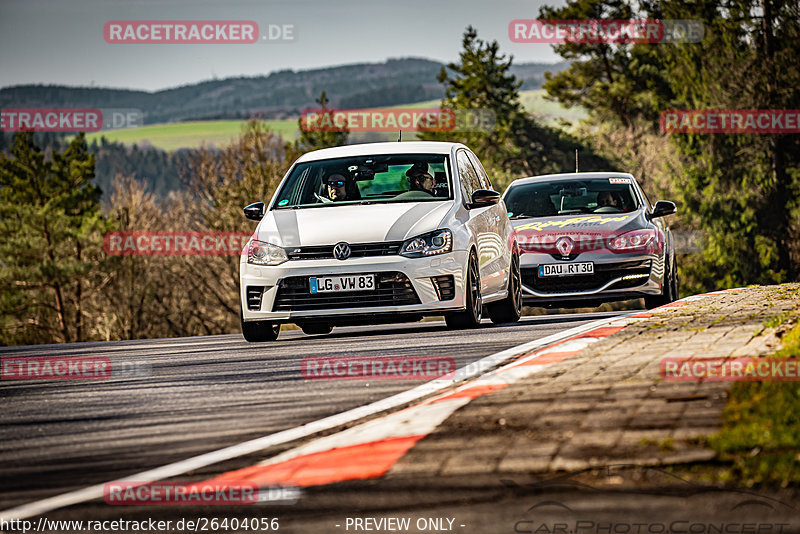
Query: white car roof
(569, 176)
(369, 149)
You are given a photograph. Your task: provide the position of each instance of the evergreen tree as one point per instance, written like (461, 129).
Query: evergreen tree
(50, 237)
(617, 82)
(479, 83)
(311, 139)
(517, 145)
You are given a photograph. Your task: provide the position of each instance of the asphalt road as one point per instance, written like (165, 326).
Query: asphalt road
(188, 396)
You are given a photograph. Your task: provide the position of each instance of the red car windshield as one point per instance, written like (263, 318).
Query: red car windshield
(563, 197)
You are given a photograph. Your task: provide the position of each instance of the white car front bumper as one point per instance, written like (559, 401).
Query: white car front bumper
(419, 272)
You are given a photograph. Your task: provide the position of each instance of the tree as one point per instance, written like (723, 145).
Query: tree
(618, 82)
(481, 83)
(57, 284)
(516, 145)
(312, 139)
(220, 184)
(742, 189)
(50, 234)
(141, 289)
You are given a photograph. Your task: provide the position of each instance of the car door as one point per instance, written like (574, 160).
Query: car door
(499, 229)
(660, 225)
(478, 217)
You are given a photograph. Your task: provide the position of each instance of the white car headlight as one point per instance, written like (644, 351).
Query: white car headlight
(430, 244)
(260, 253)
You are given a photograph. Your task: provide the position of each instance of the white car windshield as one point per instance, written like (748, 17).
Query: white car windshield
(367, 180)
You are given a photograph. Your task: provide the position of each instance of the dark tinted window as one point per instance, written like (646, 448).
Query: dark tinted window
(482, 176)
(468, 175)
(646, 199)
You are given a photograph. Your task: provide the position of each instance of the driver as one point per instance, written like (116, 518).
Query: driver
(420, 178)
(335, 186)
(607, 199)
(540, 205)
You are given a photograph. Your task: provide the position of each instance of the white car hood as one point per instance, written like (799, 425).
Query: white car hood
(351, 223)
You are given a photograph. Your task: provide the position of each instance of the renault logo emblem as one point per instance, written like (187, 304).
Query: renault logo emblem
(564, 245)
(341, 251)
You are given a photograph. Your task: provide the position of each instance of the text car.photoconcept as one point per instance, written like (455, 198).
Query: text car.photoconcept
(378, 233)
(588, 238)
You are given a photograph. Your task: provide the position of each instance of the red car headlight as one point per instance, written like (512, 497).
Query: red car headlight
(649, 240)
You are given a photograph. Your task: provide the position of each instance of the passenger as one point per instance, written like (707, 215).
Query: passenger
(421, 179)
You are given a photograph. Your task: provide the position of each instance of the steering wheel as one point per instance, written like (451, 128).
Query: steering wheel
(415, 193)
(607, 209)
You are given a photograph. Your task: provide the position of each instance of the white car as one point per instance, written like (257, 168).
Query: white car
(379, 233)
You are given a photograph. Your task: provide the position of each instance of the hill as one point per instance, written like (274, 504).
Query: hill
(218, 133)
(278, 95)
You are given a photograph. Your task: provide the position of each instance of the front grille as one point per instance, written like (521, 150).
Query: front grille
(254, 294)
(603, 273)
(357, 250)
(445, 287)
(393, 289)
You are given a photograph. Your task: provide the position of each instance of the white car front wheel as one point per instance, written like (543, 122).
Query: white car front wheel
(471, 316)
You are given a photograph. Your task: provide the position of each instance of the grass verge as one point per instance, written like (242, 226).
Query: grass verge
(759, 443)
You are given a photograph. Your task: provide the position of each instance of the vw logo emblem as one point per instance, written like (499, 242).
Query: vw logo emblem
(564, 245)
(341, 251)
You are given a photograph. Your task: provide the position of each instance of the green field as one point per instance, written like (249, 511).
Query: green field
(534, 102)
(172, 136)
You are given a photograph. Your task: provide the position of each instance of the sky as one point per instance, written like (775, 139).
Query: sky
(61, 41)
